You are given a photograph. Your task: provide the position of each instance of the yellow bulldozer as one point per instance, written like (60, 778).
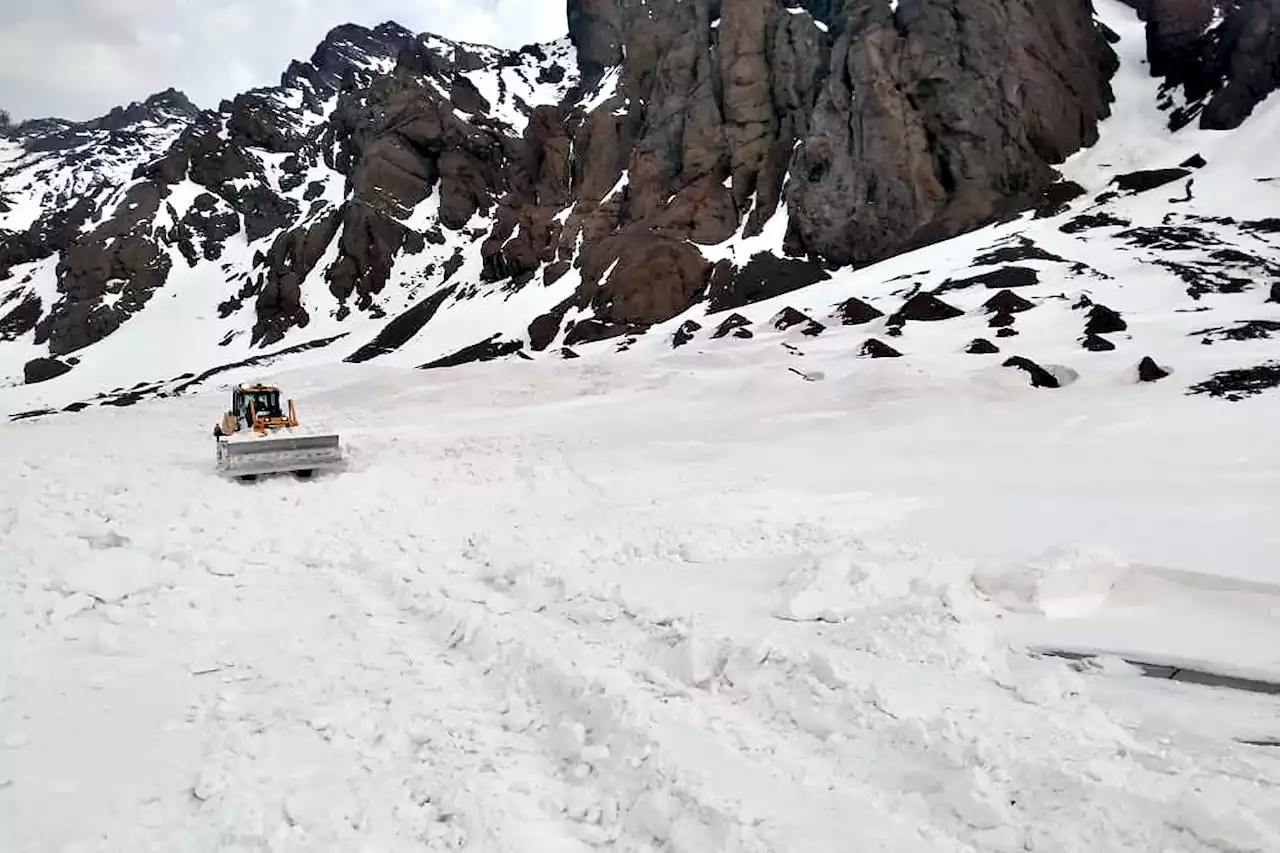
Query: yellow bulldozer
(257, 436)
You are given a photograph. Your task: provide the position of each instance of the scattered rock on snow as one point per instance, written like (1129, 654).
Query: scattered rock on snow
(925, 308)
(591, 331)
(812, 329)
(544, 328)
(1148, 179)
(1090, 221)
(1242, 382)
(1149, 371)
(685, 333)
(1275, 293)
(1007, 302)
(732, 322)
(1250, 330)
(1000, 279)
(854, 312)
(1007, 332)
(1104, 321)
(1024, 249)
(873, 348)
(1057, 197)
(489, 350)
(981, 346)
(43, 369)
(1040, 378)
(1096, 343)
(1000, 320)
(788, 317)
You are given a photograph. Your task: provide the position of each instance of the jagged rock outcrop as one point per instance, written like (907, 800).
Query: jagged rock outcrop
(391, 167)
(1221, 56)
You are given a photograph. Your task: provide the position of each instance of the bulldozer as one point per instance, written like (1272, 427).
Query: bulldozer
(257, 436)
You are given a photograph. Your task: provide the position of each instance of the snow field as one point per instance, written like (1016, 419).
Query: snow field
(613, 606)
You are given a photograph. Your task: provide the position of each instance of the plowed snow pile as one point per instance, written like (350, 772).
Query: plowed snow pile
(606, 605)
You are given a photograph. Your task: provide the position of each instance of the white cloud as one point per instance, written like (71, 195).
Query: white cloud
(79, 58)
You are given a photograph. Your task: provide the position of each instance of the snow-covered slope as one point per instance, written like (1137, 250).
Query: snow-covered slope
(683, 604)
(162, 240)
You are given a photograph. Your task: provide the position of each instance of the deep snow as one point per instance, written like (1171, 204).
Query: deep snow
(671, 600)
(625, 604)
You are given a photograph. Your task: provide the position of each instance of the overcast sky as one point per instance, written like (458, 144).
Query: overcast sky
(77, 59)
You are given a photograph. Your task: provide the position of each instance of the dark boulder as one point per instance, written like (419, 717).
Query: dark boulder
(788, 317)
(1104, 321)
(1003, 278)
(731, 323)
(1007, 302)
(1148, 179)
(1096, 343)
(854, 312)
(43, 369)
(925, 308)
(685, 333)
(873, 348)
(1149, 371)
(1040, 378)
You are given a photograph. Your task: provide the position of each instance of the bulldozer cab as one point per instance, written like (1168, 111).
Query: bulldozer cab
(256, 400)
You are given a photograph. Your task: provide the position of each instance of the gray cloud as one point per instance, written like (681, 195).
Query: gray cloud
(77, 59)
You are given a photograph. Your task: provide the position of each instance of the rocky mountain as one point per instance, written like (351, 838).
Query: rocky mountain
(665, 166)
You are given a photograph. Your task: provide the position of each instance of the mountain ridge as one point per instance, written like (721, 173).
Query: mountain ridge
(486, 203)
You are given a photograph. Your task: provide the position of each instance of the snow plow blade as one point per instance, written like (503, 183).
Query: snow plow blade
(278, 454)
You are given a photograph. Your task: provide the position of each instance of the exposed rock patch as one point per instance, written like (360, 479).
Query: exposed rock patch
(925, 308)
(764, 277)
(402, 328)
(685, 333)
(1005, 278)
(1250, 330)
(1104, 321)
(1148, 179)
(872, 348)
(43, 369)
(1240, 383)
(1096, 343)
(1149, 371)
(487, 350)
(732, 323)
(854, 312)
(1040, 378)
(1007, 302)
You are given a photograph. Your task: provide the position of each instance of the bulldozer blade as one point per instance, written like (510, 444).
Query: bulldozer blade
(278, 455)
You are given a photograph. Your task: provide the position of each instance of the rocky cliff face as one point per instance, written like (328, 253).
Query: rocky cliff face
(667, 152)
(1219, 58)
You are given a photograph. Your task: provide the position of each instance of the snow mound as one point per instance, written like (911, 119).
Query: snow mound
(1063, 582)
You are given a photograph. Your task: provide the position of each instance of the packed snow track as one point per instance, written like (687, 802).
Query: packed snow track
(564, 607)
